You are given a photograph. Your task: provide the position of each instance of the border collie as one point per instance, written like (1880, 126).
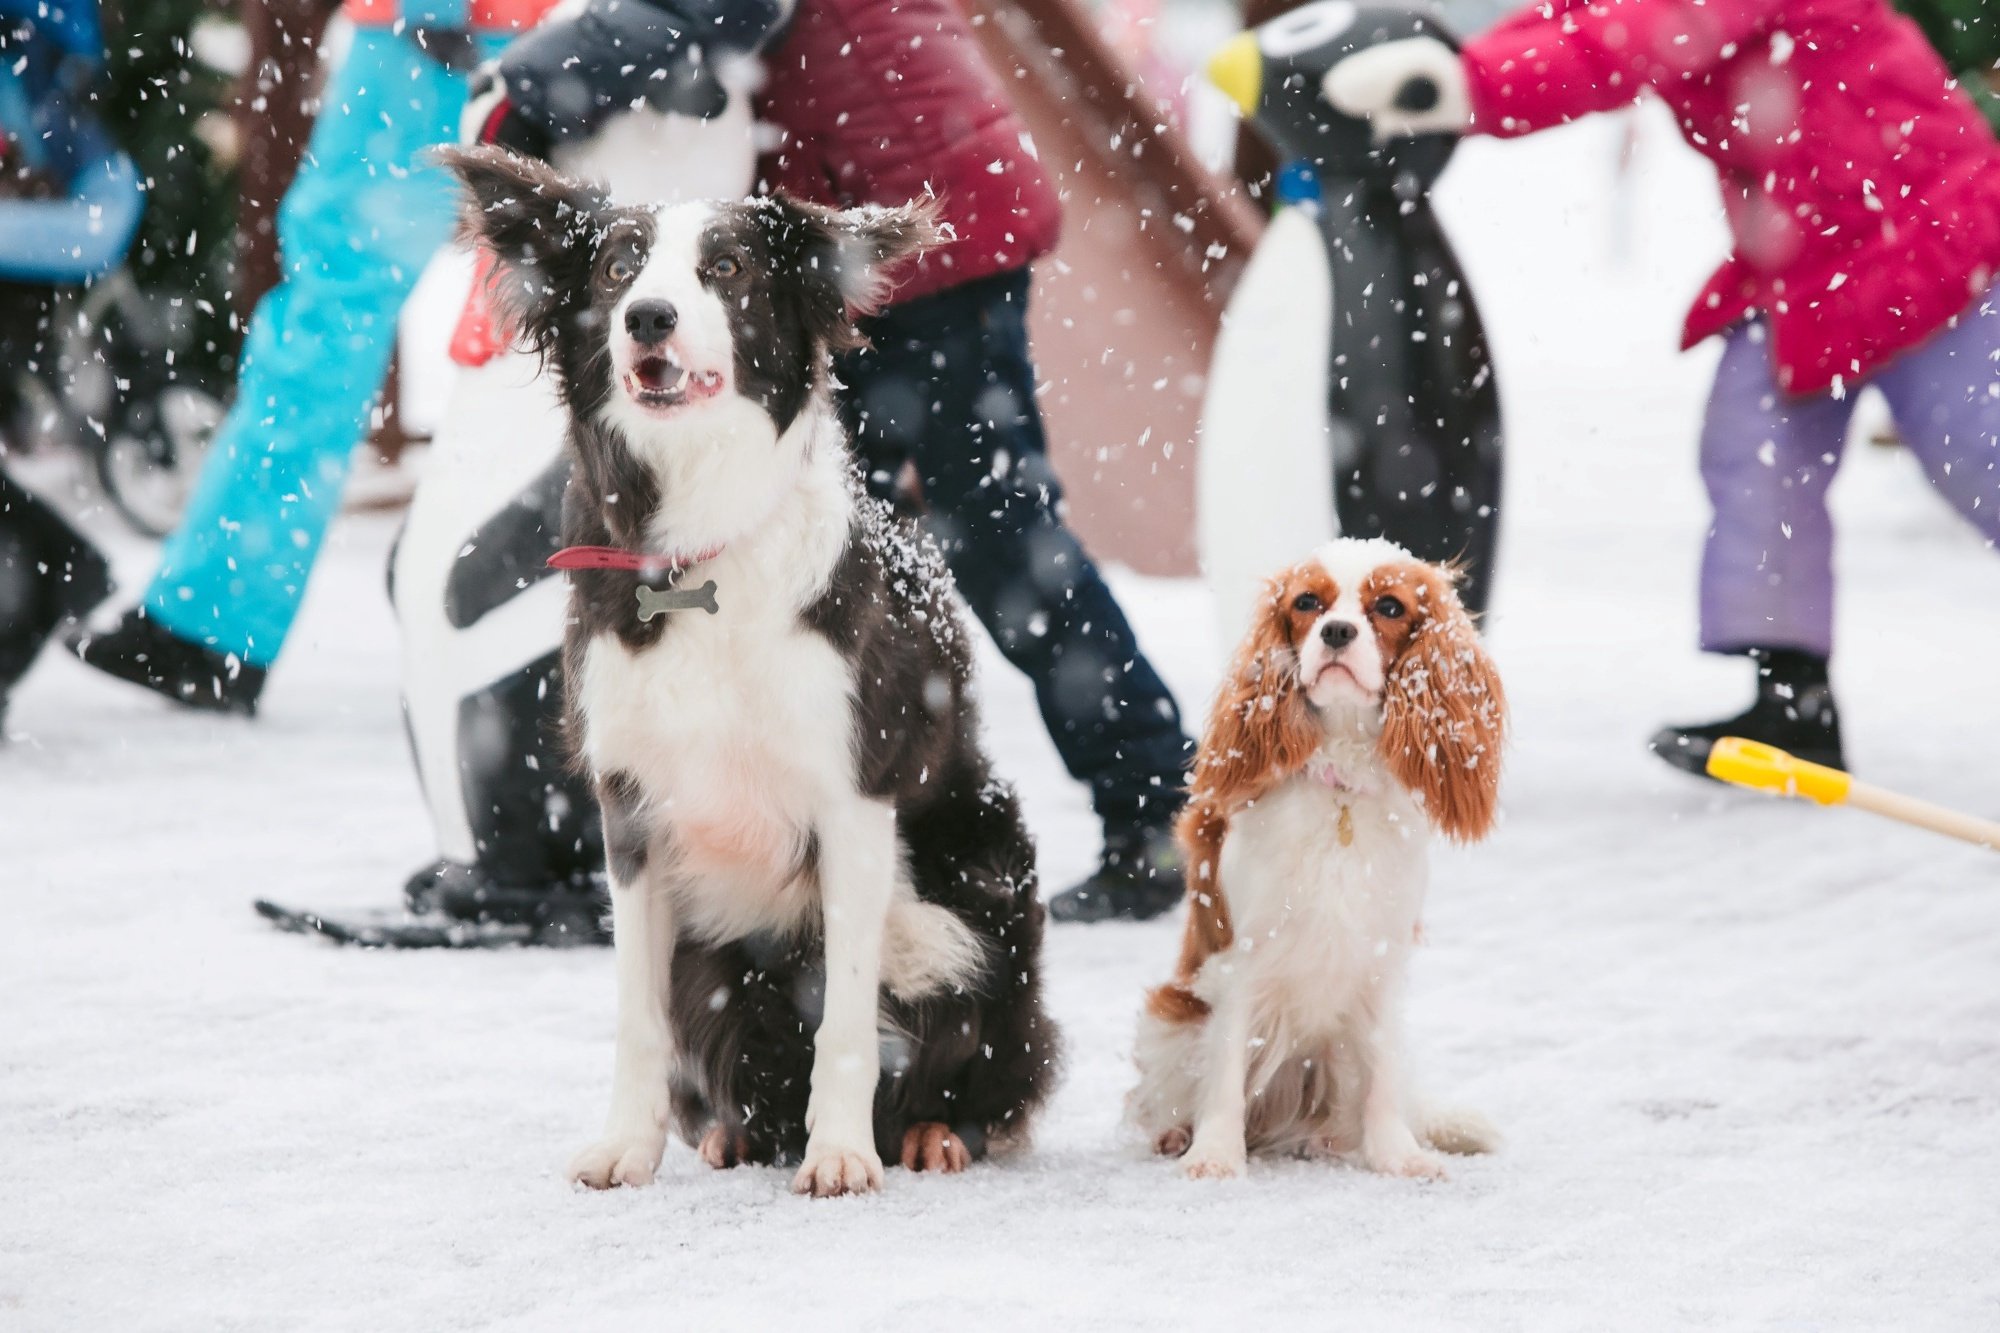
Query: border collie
(823, 904)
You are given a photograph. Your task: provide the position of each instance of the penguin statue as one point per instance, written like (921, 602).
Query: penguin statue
(520, 843)
(1412, 407)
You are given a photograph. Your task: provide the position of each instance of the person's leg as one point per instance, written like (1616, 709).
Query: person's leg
(1945, 396)
(1767, 460)
(948, 385)
(1767, 568)
(50, 574)
(355, 231)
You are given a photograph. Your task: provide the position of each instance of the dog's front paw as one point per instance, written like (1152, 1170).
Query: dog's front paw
(1413, 1164)
(1205, 1166)
(833, 1169)
(618, 1159)
(1209, 1160)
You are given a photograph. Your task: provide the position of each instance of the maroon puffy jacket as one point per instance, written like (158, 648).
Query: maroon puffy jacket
(881, 100)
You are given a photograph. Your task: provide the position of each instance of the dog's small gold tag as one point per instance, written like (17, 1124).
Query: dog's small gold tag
(1346, 826)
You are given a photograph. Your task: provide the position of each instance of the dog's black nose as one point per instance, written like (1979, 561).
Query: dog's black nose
(1337, 634)
(650, 322)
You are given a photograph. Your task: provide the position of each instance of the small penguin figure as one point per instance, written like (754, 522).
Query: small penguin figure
(1412, 398)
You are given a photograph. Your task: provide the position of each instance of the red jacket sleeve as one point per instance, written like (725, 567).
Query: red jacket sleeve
(1556, 61)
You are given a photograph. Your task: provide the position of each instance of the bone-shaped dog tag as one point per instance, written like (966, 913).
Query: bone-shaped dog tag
(655, 601)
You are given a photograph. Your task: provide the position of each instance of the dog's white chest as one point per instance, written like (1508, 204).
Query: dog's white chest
(735, 727)
(1326, 889)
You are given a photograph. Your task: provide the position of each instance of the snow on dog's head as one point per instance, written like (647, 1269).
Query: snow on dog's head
(695, 317)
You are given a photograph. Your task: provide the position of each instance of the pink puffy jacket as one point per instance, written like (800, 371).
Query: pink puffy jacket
(1862, 187)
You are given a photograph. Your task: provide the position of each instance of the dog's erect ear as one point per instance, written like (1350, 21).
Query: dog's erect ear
(541, 227)
(1444, 715)
(871, 244)
(517, 206)
(848, 259)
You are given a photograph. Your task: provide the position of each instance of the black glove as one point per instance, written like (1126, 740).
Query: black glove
(565, 77)
(490, 118)
(454, 48)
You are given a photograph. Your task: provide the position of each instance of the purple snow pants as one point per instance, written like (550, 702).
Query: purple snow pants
(1767, 571)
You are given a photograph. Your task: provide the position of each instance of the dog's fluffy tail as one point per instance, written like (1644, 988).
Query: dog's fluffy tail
(1458, 1131)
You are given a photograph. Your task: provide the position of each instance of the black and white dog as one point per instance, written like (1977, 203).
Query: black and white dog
(828, 937)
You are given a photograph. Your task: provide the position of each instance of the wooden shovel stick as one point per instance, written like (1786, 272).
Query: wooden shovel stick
(1910, 810)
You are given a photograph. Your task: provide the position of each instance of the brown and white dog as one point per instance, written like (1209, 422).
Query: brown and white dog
(1360, 714)
(823, 903)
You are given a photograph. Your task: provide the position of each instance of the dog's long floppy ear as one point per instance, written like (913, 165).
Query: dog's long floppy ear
(1444, 714)
(847, 259)
(541, 227)
(1261, 729)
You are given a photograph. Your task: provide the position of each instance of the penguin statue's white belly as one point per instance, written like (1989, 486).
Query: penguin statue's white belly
(1264, 469)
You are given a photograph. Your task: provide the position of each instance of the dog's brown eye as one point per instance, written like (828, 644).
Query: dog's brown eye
(1389, 608)
(725, 267)
(1308, 602)
(618, 270)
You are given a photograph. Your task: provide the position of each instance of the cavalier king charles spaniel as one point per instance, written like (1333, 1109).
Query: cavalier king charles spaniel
(1360, 715)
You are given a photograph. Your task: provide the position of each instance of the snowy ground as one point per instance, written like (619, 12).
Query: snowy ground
(1747, 1055)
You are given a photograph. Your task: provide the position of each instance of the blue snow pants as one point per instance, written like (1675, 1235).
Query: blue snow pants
(355, 231)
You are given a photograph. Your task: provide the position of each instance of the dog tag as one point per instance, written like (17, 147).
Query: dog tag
(653, 602)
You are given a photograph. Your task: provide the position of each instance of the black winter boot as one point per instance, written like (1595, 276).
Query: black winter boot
(140, 650)
(1794, 711)
(1141, 876)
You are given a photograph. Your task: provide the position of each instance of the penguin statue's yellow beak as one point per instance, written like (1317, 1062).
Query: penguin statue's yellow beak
(1238, 69)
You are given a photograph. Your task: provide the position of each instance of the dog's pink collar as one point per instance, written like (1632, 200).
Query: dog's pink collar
(617, 557)
(1326, 775)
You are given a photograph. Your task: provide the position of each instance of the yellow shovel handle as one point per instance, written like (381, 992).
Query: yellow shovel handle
(1767, 768)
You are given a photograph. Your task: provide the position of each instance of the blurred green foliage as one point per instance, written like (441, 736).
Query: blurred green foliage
(169, 109)
(1967, 34)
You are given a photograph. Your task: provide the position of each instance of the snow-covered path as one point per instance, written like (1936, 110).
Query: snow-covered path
(1747, 1055)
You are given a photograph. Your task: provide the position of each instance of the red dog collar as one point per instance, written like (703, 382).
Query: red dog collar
(617, 557)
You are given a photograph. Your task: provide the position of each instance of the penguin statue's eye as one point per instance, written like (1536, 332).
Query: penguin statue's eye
(1305, 28)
